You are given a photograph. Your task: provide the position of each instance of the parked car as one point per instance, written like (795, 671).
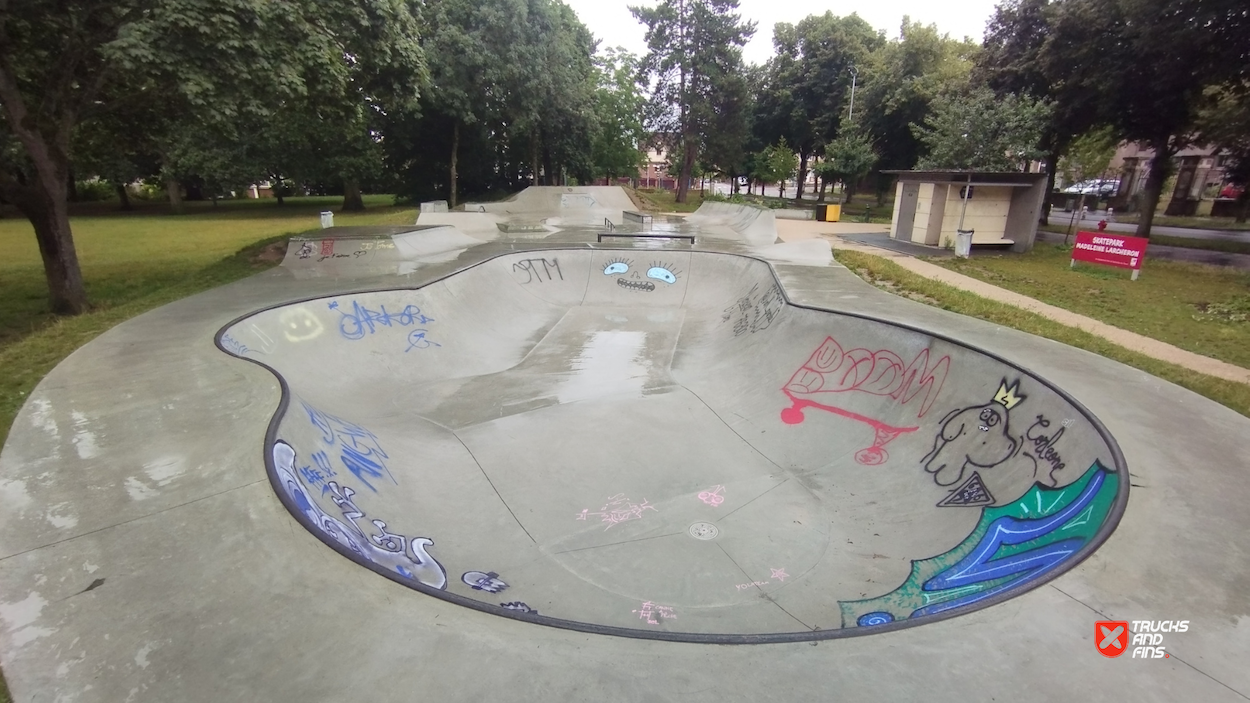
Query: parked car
(1231, 191)
(1099, 186)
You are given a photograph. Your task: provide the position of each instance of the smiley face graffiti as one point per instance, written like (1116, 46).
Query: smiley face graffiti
(631, 278)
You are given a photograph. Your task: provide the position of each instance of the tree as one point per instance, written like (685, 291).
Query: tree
(848, 158)
(775, 164)
(512, 81)
(973, 129)
(1148, 62)
(694, 49)
(1020, 56)
(1224, 122)
(810, 79)
(66, 62)
(897, 85)
(1088, 156)
(618, 134)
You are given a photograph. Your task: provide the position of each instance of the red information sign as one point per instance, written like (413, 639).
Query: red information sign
(1110, 249)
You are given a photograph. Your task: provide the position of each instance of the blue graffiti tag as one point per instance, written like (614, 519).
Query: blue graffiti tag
(359, 321)
(418, 340)
(233, 345)
(358, 448)
(979, 566)
(320, 474)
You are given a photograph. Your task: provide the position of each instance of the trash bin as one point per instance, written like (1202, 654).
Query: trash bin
(327, 219)
(963, 243)
(829, 213)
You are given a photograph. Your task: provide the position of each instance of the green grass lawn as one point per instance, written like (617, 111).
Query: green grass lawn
(894, 278)
(1223, 245)
(666, 200)
(1194, 222)
(1199, 308)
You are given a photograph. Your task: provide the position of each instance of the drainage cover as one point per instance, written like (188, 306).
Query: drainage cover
(704, 530)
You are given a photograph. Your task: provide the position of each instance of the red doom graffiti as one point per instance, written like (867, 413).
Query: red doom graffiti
(849, 378)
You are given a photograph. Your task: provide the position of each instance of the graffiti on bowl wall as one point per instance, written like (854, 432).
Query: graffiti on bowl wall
(832, 376)
(631, 278)
(407, 556)
(973, 441)
(1011, 546)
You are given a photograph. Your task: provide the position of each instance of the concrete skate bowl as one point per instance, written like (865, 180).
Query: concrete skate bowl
(658, 444)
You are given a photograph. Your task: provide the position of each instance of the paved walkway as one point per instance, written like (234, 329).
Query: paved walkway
(799, 230)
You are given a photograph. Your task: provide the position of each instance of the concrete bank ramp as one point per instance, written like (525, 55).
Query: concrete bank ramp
(755, 225)
(558, 199)
(656, 444)
(354, 252)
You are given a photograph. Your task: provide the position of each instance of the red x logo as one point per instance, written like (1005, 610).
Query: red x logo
(1111, 637)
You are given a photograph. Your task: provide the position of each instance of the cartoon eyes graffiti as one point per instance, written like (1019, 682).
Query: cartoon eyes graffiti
(989, 418)
(661, 272)
(616, 266)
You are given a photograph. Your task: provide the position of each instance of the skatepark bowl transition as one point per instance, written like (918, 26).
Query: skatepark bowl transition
(549, 412)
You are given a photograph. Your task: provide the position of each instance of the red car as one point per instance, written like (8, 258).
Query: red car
(1231, 191)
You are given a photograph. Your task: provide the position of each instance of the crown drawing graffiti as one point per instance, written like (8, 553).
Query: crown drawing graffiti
(1008, 396)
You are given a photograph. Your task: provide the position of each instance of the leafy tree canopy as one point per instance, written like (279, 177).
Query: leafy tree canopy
(976, 130)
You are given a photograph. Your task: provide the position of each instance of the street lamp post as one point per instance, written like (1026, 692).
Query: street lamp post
(854, 78)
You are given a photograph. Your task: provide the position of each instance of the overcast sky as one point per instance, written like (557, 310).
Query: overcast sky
(611, 22)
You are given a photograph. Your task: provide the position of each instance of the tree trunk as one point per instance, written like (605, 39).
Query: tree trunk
(123, 195)
(279, 192)
(549, 169)
(71, 187)
(352, 202)
(1160, 165)
(455, 149)
(798, 190)
(687, 168)
(534, 158)
(43, 198)
(824, 185)
(1080, 207)
(1052, 163)
(174, 189)
(47, 208)
(883, 186)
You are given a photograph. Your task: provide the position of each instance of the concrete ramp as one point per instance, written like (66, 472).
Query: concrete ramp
(655, 443)
(757, 226)
(560, 199)
(357, 252)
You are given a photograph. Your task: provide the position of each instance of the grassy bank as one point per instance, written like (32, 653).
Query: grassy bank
(1202, 309)
(1226, 223)
(890, 276)
(1223, 245)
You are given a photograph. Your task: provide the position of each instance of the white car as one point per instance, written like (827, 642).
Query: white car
(1098, 186)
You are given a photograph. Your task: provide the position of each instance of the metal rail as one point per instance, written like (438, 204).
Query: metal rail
(644, 235)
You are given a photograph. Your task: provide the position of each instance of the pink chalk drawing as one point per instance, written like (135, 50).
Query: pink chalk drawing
(830, 370)
(618, 509)
(779, 574)
(653, 613)
(712, 497)
(745, 586)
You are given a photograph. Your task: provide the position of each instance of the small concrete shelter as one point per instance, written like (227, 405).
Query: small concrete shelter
(1002, 208)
